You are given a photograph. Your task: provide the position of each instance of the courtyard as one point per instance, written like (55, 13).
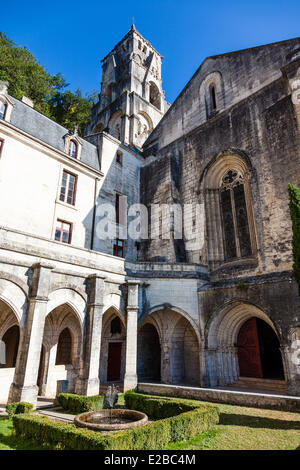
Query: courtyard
(239, 428)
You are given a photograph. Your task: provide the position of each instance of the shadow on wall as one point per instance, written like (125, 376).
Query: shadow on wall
(120, 179)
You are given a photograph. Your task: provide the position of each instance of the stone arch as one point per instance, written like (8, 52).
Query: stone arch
(184, 352)
(10, 333)
(154, 95)
(148, 353)
(14, 295)
(137, 58)
(230, 158)
(115, 124)
(98, 128)
(113, 308)
(68, 296)
(113, 348)
(109, 91)
(174, 308)
(144, 128)
(58, 377)
(179, 338)
(224, 327)
(239, 214)
(222, 337)
(64, 348)
(214, 79)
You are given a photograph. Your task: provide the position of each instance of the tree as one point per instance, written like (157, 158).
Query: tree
(24, 74)
(48, 92)
(294, 206)
(71, 109)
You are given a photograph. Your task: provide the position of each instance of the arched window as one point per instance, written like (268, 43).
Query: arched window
(213, 99)
(109, 92)
(64, 348)
(115, 326)
(236, 232)
(154, 95)
(3, 107)
(72, 149)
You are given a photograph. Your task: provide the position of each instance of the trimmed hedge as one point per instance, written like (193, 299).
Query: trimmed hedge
(18, 407)
(152, 436)
(159, 407)
(79, 403)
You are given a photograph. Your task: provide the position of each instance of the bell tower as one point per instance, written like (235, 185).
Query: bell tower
(131, 102)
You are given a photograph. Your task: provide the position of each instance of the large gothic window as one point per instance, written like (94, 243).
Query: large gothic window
(235, 218)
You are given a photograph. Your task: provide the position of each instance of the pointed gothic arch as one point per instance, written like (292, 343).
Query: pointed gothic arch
(154, 95)
(223, 340)
(179, 345)
(113, 346)
(225, 189)
(115, 124)
(62, 346)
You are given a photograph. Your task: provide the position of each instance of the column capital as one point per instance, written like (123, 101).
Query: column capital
(43, 264)
(96, 286)
(133, 294)
(133, 282)
(96, 276)
(40, 283)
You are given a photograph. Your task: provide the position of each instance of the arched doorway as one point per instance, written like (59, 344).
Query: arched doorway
(242, 339)
(11, 340)
(113, 343)
(9, 346)
(259, 353)
(168, 344)
(185, 365)
(60, 354)
(64, 348)
(148, 354)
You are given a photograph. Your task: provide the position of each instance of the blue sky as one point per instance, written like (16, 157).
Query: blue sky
(72, 37)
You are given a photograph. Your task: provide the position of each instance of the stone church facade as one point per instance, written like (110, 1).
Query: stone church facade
(78, 312)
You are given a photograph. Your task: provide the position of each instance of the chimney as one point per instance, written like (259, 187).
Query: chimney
(27, 101)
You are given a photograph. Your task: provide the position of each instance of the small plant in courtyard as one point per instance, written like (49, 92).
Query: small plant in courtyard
(18, 408)
(294, 206)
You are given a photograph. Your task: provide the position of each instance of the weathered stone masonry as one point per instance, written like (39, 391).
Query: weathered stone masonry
(74, 316)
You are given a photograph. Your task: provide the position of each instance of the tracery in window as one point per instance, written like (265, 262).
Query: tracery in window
(235, 218)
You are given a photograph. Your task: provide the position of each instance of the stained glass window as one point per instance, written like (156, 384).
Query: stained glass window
(235, 218)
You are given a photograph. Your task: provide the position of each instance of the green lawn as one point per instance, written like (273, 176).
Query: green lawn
(8, 440)
(240, 428)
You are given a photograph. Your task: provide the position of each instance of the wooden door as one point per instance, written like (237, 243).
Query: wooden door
(114, 362)
(249, 351)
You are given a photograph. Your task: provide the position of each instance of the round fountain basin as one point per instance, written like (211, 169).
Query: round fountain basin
(110, 420)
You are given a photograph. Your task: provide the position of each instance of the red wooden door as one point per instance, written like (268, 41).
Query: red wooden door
(114, 361)
(248, 350)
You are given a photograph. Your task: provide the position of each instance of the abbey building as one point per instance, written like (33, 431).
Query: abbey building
(212, 305)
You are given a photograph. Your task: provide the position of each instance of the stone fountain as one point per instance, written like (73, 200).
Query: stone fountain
(110, 419)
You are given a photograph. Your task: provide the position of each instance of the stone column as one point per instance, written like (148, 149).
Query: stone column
(24, 386)
(165, 364)
(211, 360)
(291, 364)
(236, 369)
(130, 378)
(88, 382)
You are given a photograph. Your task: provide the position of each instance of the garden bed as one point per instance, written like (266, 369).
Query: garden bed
(179, 421)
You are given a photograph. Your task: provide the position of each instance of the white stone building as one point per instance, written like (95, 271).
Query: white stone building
(76, 311)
